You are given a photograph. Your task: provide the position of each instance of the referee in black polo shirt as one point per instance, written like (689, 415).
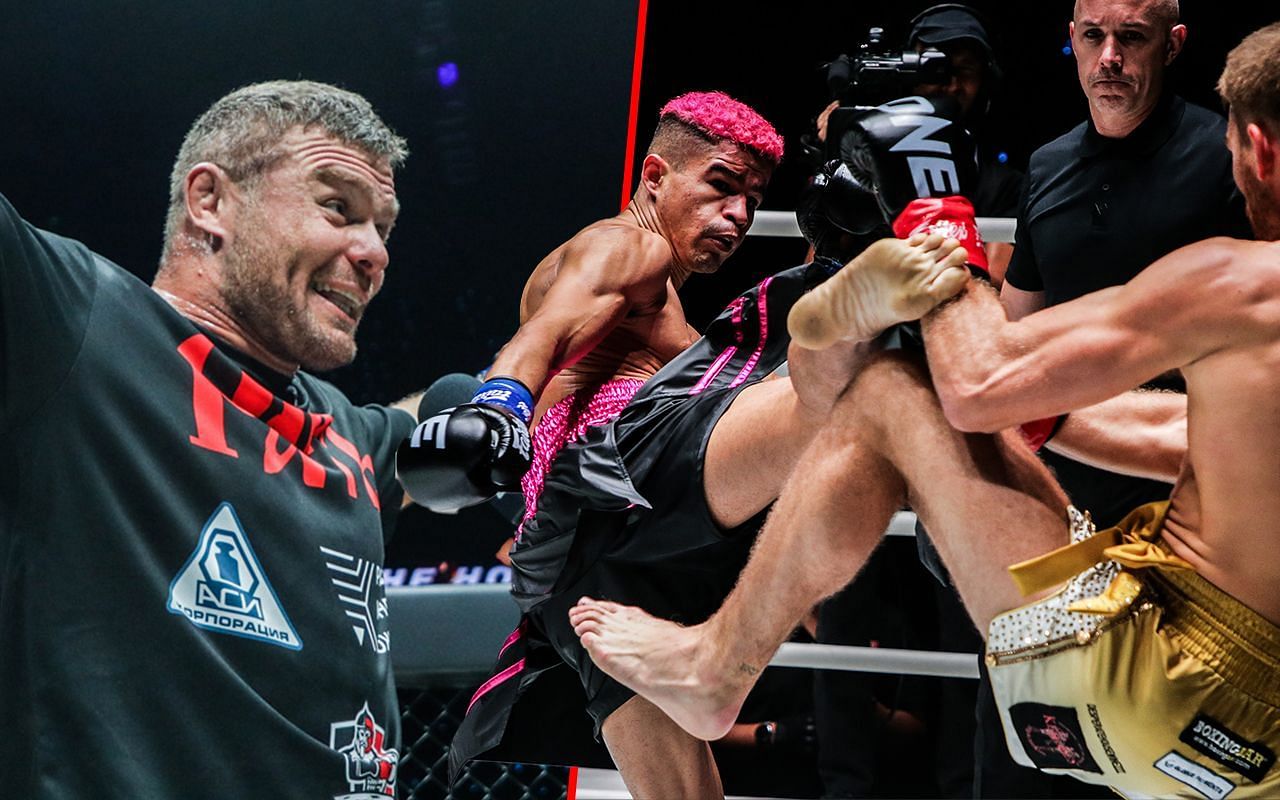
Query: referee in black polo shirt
(1145, 175)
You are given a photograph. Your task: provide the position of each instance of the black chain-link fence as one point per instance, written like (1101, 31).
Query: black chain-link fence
(429, 718)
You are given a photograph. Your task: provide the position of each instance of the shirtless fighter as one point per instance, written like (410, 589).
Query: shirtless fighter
(600, 314)
(656, 503)
(1152, 668)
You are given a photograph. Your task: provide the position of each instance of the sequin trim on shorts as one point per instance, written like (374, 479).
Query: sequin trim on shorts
(1049, 621)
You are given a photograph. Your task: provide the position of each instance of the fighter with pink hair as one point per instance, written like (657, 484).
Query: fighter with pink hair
(599, 316)
(720, 154)
(659, 450)
(719, 116)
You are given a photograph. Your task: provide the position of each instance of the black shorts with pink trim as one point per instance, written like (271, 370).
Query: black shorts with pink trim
(623, 517)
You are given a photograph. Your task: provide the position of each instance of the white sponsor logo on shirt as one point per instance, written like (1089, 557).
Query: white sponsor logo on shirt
(222, 586)
(360, 590)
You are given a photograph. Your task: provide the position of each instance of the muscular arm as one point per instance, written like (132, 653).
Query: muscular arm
(602, 276)
(991, 373)
(1137, 433)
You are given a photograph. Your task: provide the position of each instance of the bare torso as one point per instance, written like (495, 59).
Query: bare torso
(1225, 512)
(653, 331)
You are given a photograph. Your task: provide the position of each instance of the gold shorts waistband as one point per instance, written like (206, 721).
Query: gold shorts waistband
(1227, 636)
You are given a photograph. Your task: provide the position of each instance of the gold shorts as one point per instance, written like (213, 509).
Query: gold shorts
(1139, 674)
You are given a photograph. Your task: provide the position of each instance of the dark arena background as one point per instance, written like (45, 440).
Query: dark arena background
(517, 115)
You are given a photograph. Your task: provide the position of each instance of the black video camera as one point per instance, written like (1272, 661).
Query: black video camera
(878, 74)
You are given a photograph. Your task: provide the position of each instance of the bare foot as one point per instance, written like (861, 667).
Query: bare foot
(663, 662)
(891, 281)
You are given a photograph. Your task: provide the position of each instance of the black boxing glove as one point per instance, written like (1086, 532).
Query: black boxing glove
(838, 214)
(921, 163)
(463, 456)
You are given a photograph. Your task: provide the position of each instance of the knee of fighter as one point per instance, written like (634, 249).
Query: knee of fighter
(887, 380)
(859, 410)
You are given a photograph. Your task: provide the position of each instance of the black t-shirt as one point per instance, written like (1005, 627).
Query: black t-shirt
(191, 599)
(1100, 210)
(999, 189)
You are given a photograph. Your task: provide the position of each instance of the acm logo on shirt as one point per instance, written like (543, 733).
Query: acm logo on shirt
(223, 588)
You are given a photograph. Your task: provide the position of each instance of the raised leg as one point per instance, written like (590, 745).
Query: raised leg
(759, 439)
(810, 547)
(986, 500)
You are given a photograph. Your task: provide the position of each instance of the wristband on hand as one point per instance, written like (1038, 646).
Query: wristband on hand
(766, 734)
(952, 217)
(1039, 431)
(508, 394)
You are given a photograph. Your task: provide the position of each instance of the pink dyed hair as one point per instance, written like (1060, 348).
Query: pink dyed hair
(719, 116)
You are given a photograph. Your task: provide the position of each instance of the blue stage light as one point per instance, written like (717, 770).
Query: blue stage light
(447, 74)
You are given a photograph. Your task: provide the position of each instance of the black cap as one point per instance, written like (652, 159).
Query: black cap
(949, 22)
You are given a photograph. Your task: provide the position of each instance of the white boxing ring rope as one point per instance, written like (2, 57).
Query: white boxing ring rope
(847, 658)
(783, 223)
(606, 784)
(850, 658)
(876, 659)
(477, 617)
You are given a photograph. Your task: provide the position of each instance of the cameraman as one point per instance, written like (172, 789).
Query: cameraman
(971, 81)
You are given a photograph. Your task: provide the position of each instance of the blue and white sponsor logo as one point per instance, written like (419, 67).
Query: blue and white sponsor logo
(222, 586)
(499, 396)
(506, 393)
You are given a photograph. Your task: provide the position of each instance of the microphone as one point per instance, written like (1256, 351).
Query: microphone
(451, 390)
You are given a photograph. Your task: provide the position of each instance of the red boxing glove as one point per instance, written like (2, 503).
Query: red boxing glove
(1039, 431)
(952, 217)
